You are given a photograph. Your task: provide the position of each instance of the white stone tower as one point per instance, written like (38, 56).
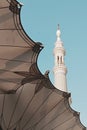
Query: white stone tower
(60, 69)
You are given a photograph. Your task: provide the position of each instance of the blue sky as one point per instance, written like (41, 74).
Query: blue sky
(40, 19)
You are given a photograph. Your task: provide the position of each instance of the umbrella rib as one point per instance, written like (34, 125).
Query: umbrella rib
(63, 123)
(1, 29)
(71, 127)
(45, 115)
(2, 118)
(54, 108)
(15, 46)
(15, 108)
(37, 110)
(3, 108)
(15, 60)
(4, 7)
(56, 116)
(24, 111)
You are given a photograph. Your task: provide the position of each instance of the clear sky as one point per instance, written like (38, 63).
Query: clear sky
(40, 19)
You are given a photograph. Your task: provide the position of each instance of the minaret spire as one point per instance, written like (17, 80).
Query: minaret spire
(60, 69)
(58, 33)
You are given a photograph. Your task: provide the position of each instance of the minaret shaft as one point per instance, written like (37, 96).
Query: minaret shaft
(60, 69)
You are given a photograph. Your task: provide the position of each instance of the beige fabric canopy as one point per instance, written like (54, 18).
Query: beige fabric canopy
(28, 100)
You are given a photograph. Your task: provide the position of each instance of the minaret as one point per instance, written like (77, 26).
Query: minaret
(60, 69)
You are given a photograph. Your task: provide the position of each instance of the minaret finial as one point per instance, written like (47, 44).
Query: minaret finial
(58, 27)
(58, 33)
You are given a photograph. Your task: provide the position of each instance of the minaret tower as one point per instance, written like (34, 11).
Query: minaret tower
(60, 69)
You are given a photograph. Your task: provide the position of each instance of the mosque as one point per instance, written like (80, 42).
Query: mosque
(28, 99)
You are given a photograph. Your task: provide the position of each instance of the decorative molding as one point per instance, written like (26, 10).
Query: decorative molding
(15, 7)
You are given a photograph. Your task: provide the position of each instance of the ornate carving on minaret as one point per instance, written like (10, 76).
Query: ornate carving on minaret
(60, 69)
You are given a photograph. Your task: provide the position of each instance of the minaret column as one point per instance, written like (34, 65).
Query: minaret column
(60, 69)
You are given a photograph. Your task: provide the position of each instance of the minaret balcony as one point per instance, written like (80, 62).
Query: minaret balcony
(60, 69)
(58, 50)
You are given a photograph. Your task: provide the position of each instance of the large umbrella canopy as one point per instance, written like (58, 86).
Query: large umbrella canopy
(28, 100)
(18, 53)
